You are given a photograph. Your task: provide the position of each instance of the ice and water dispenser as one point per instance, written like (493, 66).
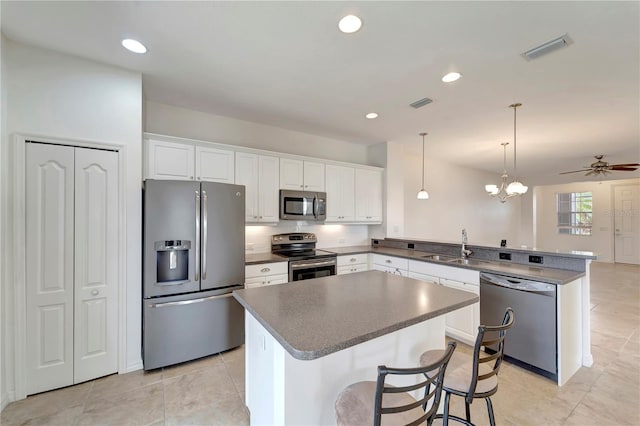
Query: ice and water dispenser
(172, 261)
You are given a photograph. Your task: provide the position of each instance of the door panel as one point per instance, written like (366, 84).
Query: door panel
(96, 264)
(627, 224)
(49, 273)
(223, 242)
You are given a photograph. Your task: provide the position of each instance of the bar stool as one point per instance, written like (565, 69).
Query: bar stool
(473, 376)
(361, 403)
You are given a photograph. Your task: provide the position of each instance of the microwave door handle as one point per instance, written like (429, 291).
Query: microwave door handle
(315, 206)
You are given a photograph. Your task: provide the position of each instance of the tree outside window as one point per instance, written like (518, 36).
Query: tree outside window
(575, 213)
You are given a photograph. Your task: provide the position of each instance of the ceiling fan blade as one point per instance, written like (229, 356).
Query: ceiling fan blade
(592, 172)
(626, 169)
(625, 165)
(575, 171)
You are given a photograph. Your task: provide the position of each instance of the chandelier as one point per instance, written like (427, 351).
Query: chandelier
(504, 191)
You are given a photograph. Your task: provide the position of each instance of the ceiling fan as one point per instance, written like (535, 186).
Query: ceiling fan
(602, 167)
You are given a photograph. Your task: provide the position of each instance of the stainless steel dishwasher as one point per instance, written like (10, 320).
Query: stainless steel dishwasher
(532, 341)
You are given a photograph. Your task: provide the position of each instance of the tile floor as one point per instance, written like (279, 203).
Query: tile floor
(210, 391)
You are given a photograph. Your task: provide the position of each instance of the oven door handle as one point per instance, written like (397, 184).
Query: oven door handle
(312, 264)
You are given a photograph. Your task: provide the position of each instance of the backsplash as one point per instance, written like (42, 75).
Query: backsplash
(258, 238)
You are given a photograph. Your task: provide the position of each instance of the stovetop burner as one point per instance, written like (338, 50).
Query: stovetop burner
(298, 246)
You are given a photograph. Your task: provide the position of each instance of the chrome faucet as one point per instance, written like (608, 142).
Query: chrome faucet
(464, 253)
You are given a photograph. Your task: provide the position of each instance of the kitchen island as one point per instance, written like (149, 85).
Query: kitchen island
(307, 340)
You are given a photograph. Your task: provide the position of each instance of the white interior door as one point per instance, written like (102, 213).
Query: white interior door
(49, 266)
(72, 265)
(627, 224)
(96, 264)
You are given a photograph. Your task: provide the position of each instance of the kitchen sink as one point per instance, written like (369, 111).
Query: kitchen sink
(462, 261)
(440, 257)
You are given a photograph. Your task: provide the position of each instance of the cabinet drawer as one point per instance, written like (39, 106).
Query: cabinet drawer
(353, 259)
(264, 269)
(390, 270)
(390, 261)
(349, 269)
(277, 279)
(472, 288)
(424, 277)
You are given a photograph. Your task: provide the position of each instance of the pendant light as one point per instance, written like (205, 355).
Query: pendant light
(422, 194)
(515, 188)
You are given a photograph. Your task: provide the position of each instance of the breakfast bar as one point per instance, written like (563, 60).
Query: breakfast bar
(307, 340)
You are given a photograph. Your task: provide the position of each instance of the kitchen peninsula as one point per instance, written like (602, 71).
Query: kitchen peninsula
(307, 340)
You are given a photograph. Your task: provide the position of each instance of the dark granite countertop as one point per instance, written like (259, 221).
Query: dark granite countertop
(314, 318)
(548, 275)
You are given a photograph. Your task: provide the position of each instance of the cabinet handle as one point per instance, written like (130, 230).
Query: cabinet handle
(190, 177)
(95, 292)
(255, 217)
(388, 261)
(265, 269)
(260, 217)
(353, 259)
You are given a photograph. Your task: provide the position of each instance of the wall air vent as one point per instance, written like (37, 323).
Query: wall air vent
(548, 47)
(422, 102)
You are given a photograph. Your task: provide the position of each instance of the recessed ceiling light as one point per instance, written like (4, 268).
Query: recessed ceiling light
(371, 115)
(452, 76)
(350, 24)
(134, 45)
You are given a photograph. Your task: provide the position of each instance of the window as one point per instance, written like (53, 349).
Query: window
(575, 213)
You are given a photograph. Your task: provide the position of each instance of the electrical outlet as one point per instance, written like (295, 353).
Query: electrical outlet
(535, 259)
(505, 256)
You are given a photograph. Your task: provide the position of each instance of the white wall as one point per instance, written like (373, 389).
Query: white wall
(4, 397)
(457, 200)
(68, 98)
(175, 121)
(601, 242)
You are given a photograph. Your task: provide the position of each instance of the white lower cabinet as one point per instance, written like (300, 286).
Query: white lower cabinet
(351, 263)
(461, 324)
(266, 274)
(391, 264)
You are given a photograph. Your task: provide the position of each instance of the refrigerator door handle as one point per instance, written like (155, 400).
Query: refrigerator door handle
(197, 274)
(204, 234)
(189, 302)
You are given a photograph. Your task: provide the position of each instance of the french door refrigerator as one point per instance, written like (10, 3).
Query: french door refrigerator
(193, 258)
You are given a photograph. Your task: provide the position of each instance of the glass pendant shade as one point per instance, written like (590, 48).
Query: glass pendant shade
(423, 195)
(491, 189)
(516, 188)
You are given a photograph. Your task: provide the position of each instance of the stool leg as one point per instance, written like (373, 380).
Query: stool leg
(445, 415)
(492, 420)
(467, 411)
(426, 392)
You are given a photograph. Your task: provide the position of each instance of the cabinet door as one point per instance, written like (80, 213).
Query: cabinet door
(277, 279)
(368, 192)
(462, 323)
(253, 282)
(291, 174)
(49, 272)
(169, 160)
(96, 264)
(247, 175)
(269, 184)
(340, 189)
(215, 165)
(314, 176)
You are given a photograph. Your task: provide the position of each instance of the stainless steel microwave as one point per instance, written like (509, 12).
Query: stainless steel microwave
(303, 205)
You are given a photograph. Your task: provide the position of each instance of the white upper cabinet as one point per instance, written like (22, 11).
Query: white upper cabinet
(170, 160)
(340, 185)
(368, 190)
(302, 175)
(177, 160)
(260, 175)
(215, 165)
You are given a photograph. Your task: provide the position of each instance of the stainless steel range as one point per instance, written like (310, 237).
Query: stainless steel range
(305, 261)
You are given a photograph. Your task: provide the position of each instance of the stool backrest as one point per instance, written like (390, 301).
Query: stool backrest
(490, 337)
(424, 385)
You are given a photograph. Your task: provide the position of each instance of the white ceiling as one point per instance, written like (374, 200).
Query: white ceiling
(287, 65)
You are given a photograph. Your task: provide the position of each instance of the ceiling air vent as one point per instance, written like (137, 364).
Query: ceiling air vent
(422, 102)
(548, 47)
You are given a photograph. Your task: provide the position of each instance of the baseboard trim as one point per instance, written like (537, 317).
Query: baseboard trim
(7, 398)
(133, 367)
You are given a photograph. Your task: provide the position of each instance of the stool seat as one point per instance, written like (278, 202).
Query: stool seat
(356, 406)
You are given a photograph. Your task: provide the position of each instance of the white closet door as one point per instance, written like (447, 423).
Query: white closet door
(96, 264)
(49, 272)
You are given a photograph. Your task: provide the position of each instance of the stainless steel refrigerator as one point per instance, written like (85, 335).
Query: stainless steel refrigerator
(193, 256)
